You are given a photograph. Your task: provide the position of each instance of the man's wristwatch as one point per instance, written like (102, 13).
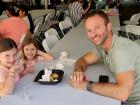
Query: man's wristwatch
(89, 85)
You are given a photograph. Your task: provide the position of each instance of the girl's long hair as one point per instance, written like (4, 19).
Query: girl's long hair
(29, 40)
(7, 44)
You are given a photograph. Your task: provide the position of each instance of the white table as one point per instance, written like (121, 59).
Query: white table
(62, 93)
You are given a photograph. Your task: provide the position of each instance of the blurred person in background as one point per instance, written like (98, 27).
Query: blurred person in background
(23, 13)
(76, 11)
(13, 27)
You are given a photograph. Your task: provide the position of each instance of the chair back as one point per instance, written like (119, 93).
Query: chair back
(38, 20)
(45, 46)
(133, 29)
(48, 21)
(57, 14)
(68, 20)
(133, 32)
(135, 19)
(51, 37)
(37, 27)
(21, 40)
(64, 26)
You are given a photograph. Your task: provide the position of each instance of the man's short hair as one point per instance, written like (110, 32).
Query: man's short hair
(99, 13)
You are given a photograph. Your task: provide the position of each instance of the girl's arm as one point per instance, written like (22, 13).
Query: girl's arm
(8, 85)
(26, 69)
(45, 55)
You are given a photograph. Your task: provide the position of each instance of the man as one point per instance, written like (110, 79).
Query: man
(120, 55)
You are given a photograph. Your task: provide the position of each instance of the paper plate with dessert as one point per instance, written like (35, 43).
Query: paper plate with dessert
(49, 77)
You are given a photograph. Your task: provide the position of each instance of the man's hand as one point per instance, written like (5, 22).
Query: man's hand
(81, 86)
(78, 80)
(77, 77)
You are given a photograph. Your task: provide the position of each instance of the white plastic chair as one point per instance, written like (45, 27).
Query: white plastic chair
(48, 21)
(52, 31)
(37, 27)
(51, 39)
(57, 14)
(38, 20)
(49, 16)
(132, 29)
(68, 20)
(64, 25)
(45, 46)
(134, 20)
(21, 40)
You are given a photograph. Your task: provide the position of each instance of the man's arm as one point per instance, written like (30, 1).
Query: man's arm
(119, 90)
(84, 61)
(78, 76)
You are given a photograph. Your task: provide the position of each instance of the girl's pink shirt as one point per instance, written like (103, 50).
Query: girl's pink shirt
(31, 64)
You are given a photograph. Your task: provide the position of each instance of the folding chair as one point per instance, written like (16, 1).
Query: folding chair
(64, 26)
(21, 40)
(48, 21)
(57, 14)
(38, 20)
(68, 20)
(133, 32)
(134, 20)
(51, 38)
(37, 27)
(45, 46)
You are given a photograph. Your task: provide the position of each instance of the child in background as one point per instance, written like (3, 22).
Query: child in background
(31, 55)
(8, 67)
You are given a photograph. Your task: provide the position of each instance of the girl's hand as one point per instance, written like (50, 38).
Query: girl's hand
(15, 68)
(30, 67)
(28, 70)
(39, 52)
(19, 66)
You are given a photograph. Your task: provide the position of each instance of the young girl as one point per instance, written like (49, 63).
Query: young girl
(8, 66)
(31, 54)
